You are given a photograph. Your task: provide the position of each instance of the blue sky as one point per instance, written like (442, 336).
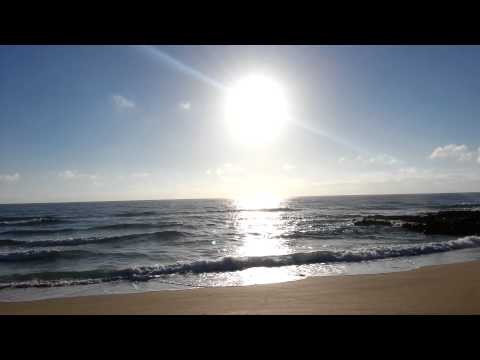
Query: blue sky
(82, 123)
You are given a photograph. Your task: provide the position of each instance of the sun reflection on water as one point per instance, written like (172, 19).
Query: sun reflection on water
(259, 227)
(258, 202)
(258, 224)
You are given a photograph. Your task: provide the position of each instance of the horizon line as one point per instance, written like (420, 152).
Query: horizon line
(227, 198)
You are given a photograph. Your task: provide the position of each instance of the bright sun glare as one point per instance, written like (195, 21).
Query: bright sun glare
(256, 109)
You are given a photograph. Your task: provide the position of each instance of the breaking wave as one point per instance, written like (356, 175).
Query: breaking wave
(228, 264)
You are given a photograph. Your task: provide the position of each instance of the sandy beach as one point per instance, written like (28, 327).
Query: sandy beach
(442, 289)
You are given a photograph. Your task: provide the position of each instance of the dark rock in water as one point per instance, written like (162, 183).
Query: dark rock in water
(402, 218)
(451, 223)
(440, 223)
(372, 221)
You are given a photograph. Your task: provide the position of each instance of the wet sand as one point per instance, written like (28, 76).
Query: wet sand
(442, 289)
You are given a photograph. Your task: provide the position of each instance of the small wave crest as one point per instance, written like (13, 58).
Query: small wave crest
(47, 283)
(36, 232)
(23, 218)
(325, 231)
(159, 235)
(254, 210)
(31, 221)
(457, 206)
(136, 213)
(10, 242)
(125, 226)
(35, 255)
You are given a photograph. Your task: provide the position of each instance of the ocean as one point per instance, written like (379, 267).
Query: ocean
(72, 249)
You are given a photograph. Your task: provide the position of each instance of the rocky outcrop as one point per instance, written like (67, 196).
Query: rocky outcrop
(369, 221)
(441, 223)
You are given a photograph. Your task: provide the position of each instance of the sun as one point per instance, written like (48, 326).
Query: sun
(256, 109)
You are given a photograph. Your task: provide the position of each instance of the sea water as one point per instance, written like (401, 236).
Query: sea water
(71, 249)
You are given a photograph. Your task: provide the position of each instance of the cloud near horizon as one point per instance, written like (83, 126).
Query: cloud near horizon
(71, 175)
(400, 180)
(141, 175)
(226, 170)
(459, 153)
(288, 167)
(380, 159)
(9, 178)
(186, 105)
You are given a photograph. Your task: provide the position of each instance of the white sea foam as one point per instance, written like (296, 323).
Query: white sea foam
(230, 264)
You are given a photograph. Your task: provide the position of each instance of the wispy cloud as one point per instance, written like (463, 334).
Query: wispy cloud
(380, 159)
(10, 178)
(121, 102)
(67, 174)
(134, 176)
(71, 175)
(225, 170)
(141, 175)
(288, 167)
(455, 152)
(402, 176)
(186, 105)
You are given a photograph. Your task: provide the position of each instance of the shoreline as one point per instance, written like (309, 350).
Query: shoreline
(437, 289)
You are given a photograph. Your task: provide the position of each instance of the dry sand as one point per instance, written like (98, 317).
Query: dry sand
(442, 289)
